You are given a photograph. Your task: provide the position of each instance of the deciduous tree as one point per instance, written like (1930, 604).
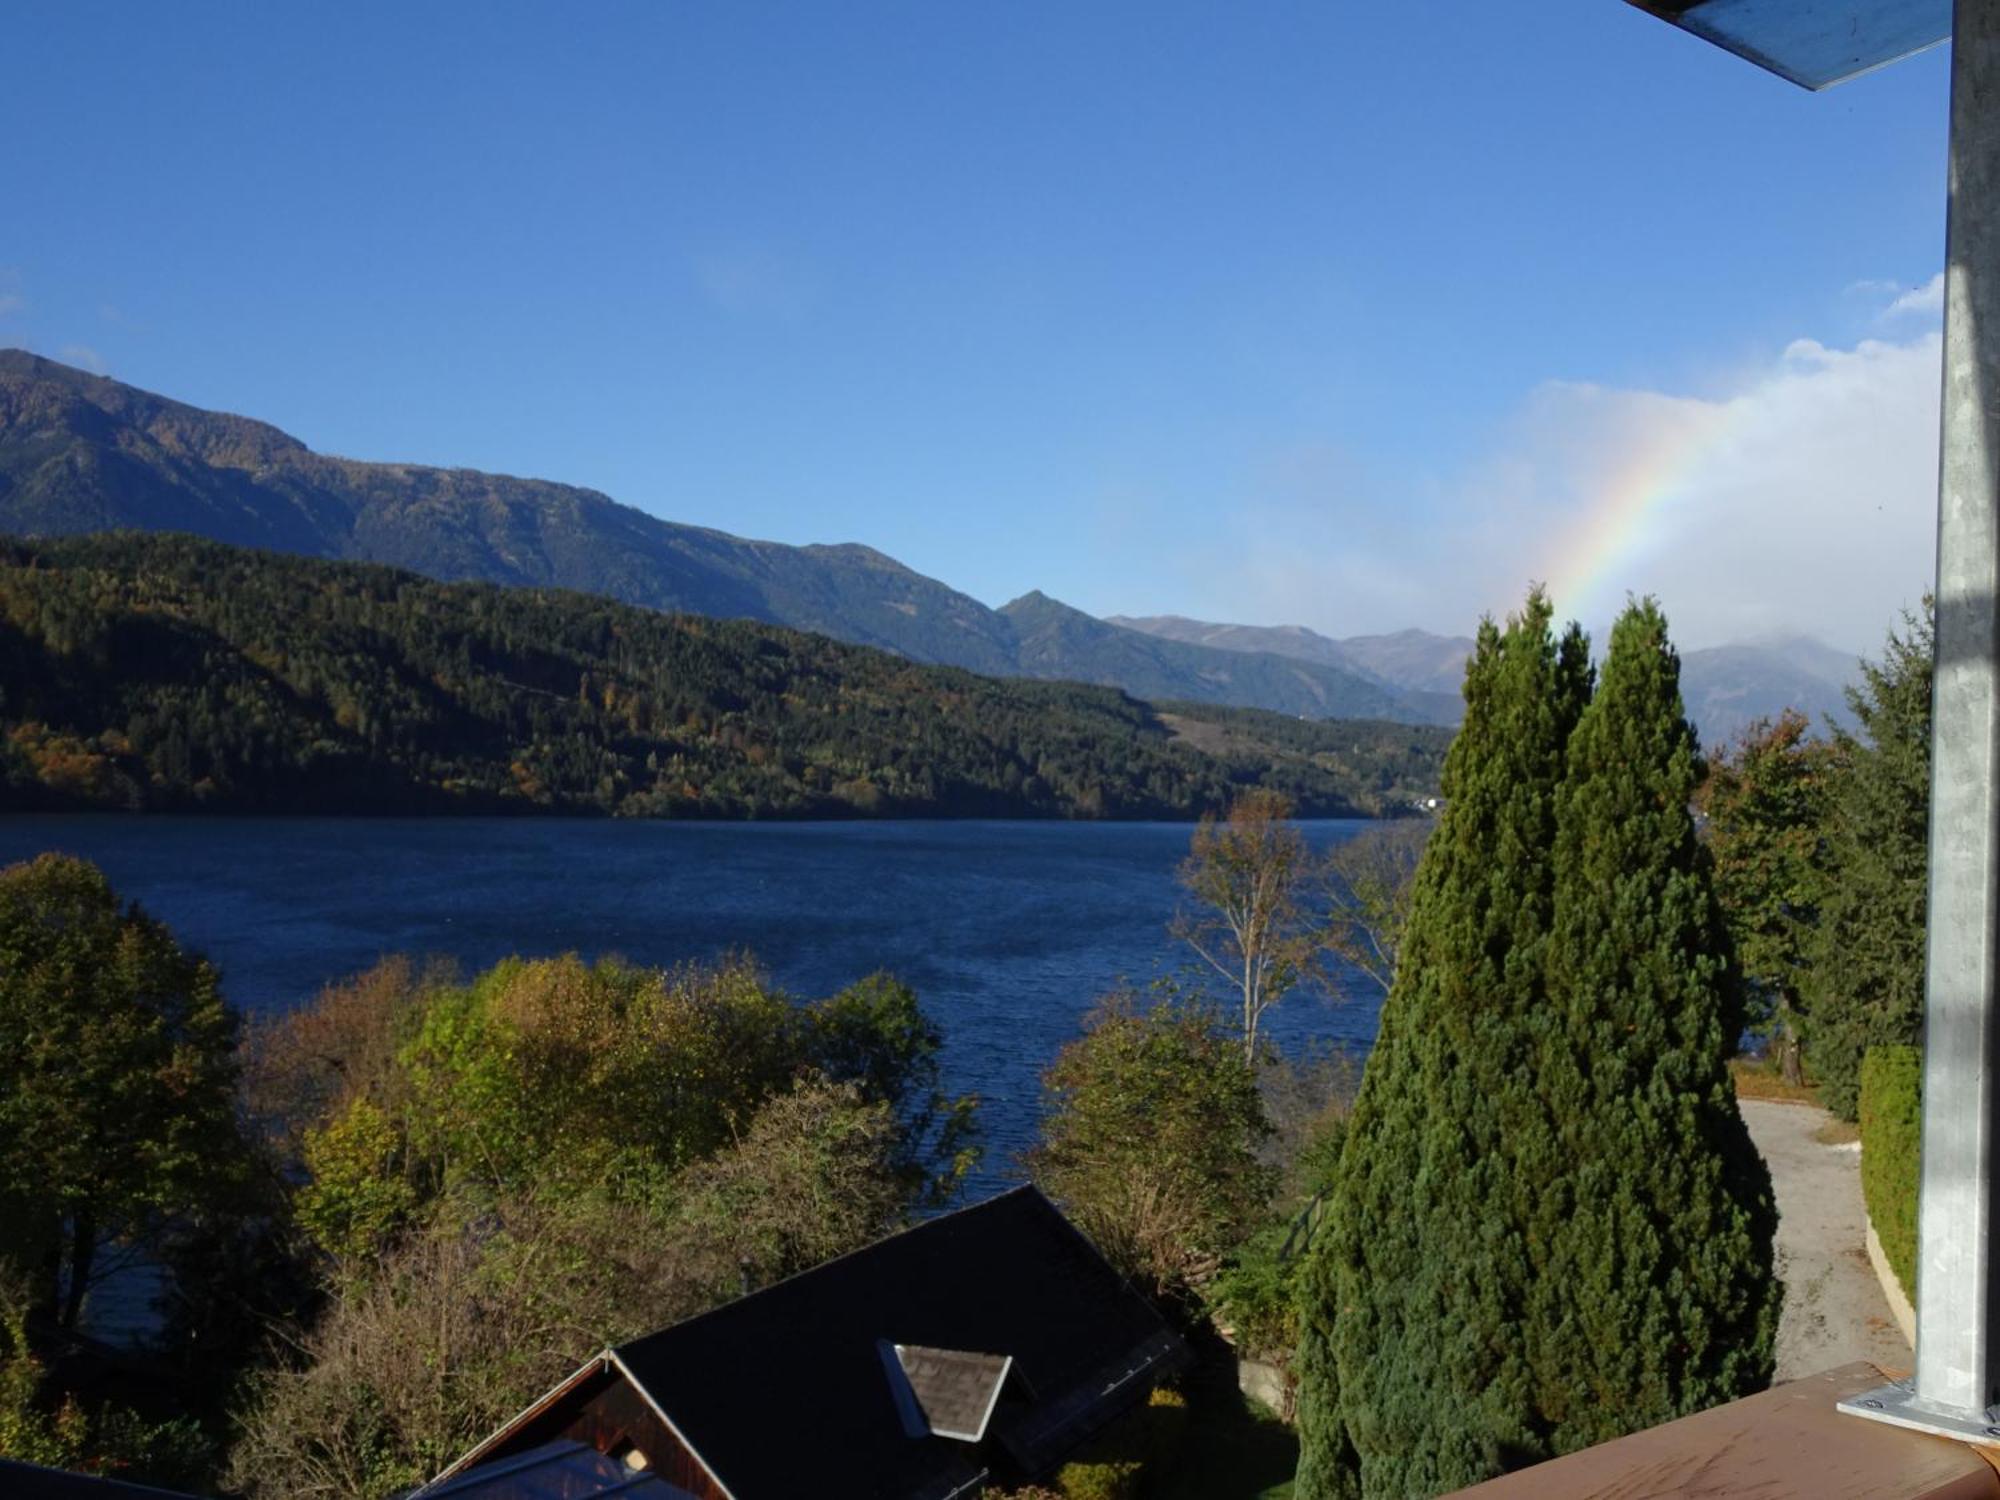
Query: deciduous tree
(1150, 1140)
(1245, 916)
(117, 1079)
(1369, 881)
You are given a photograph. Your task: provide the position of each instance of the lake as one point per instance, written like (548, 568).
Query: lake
(1007, 930)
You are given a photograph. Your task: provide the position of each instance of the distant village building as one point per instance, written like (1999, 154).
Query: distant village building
(981, 1347)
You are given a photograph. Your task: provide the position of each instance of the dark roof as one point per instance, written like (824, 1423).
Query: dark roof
(33, 1482)
(555, 1471)
(784, 1392)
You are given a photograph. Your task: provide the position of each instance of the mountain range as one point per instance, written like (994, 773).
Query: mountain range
(83, 453)
(1726, 688)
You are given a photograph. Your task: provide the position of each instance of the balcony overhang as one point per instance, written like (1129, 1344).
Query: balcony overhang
(1813, 43)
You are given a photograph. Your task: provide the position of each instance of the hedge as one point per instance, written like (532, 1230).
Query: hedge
(1891, 1134)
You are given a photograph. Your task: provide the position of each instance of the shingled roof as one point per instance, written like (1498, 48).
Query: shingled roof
(783, 1392)
(800, 1388)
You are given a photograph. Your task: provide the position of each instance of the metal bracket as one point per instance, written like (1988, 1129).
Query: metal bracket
(1898, 1405)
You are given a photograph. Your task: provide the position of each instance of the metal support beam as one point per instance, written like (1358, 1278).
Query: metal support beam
(1957, 1380)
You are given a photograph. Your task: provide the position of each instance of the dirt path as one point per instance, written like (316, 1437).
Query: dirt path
(1834, 1311)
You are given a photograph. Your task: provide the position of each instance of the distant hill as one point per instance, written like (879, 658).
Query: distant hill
(1280, 640)
(81, 453)
(173, 673)
(1422, 671)
(1725, 687)
(1053, 640)
(1413, 661)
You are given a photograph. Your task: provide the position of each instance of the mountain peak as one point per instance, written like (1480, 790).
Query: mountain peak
(1035, 599)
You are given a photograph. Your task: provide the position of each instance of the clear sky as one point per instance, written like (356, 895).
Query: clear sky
(1355, 316)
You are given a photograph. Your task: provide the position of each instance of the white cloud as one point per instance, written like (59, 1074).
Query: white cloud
(1926, 300)
(82, 356)
(1801, 500)
(11, 303)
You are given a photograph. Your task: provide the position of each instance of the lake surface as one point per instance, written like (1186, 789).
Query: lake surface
(1007, 931)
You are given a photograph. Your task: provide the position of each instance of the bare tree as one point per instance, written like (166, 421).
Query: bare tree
(1245, 915)
(1369, 881)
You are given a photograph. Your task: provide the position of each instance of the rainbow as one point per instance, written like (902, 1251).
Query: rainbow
(1601, 558)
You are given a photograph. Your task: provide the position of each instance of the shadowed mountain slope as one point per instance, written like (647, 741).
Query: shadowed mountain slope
(1055, 640)
(82, 453)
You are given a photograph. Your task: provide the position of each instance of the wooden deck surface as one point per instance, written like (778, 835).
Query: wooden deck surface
(1782, 1443)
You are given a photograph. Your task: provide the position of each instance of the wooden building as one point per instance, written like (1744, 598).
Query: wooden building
(980, 1347)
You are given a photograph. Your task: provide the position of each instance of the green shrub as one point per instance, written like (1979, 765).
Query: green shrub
(1254, 1297)
(1100, 1479)
(1166, 1420)
(1115, 1464)
(1891, 1129)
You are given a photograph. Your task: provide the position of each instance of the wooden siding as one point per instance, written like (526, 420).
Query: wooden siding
(607, 1413)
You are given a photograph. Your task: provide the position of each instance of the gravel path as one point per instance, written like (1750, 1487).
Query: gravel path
(1834, 1310)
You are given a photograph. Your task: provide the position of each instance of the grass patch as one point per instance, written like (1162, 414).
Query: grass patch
(1837, 1133)
(1235, 1449)
(1757, 1079)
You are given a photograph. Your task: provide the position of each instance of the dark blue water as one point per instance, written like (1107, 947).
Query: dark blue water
(1007, 931)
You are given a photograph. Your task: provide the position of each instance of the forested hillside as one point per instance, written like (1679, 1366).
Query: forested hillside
(171, 673)
(80, 453)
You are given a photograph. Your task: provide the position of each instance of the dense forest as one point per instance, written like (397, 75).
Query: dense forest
(160, 672)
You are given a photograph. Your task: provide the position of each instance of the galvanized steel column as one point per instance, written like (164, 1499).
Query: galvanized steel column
(1958, 1354)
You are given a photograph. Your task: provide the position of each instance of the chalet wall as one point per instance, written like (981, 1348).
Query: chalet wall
(613, 1418)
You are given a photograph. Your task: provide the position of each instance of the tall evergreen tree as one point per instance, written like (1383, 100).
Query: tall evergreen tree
(1657, 1297)
(1766, 803)
(1865, 984)
(1416, 1378)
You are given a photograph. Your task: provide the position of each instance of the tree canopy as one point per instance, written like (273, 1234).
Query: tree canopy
(1244, 914)
(1766, 805)
(1865, 981)
(117, 1080)
(1150, 1141)
(502, 1176)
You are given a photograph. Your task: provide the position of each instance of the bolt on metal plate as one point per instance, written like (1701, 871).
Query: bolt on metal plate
(1898, 1405)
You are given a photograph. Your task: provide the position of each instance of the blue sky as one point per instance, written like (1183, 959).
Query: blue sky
(1317, 312)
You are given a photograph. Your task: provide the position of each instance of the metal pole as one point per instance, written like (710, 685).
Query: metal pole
(1958, 1303)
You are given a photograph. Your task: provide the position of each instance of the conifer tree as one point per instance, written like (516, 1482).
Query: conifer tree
(1416, 1377)
(1865, 984)
(1766, 803)
(1657, 1297)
